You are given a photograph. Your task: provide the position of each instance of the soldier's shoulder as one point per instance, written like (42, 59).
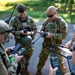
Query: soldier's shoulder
(13, 19)
(29, 17)
(73, 36)
(63, 22)
(61, 19)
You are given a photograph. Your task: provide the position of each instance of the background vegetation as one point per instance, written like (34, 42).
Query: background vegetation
(37, 8)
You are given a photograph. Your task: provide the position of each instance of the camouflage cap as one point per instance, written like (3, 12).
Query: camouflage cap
(3, 27)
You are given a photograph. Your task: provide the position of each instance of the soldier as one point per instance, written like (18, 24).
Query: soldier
(71, 42)
(25, 26)
(5, 66)
(71, 46)
(56, 29)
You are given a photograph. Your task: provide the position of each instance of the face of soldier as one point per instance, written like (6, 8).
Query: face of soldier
(2, 38)
(51, 15)
(23, 15)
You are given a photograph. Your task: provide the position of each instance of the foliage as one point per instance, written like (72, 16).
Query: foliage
(37, 8)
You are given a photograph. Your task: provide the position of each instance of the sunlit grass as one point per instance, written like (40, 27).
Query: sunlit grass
(3, 4)
(34, 9)
(70, 18)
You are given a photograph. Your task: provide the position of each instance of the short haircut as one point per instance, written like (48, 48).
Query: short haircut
(21, 8)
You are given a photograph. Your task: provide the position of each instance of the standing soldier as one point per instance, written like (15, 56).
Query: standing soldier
(71, 42)
(25, 27)
(71, 46)
(56, 29)
(6, 68)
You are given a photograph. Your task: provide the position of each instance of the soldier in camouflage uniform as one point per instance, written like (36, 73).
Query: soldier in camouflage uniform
(56, 29)
(6, 68)
(52, 71)
(71, 46)
(71, 42)
(20, 22)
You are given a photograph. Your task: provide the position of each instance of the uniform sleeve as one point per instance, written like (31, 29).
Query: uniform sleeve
(73, 38)
(13, 67)
(63, 29)
(4, 56)
(44, 25)
(33, 27)
(13, 24)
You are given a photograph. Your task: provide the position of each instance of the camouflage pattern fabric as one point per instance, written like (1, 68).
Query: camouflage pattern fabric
(72, 43)
(58, 30)
(3, 70)
(25, 61)
(4, 55)
(73, 40)
(19, 25)
(5, 66)
(12, 68)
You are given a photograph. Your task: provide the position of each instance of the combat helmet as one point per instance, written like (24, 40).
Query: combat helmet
(4, 27)
(26, 41)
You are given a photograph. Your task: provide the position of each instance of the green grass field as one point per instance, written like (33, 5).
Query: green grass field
(35, 9)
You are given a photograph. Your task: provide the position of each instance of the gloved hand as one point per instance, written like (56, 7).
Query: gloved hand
(18, 58)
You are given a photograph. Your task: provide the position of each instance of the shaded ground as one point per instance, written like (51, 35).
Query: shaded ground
(37, 49)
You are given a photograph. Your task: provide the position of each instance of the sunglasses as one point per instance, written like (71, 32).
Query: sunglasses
(50, 15)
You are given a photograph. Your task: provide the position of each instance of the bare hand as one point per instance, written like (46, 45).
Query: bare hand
(52, 71)
(68, 45)
(49, 35)
(17, 58)
(27, 33)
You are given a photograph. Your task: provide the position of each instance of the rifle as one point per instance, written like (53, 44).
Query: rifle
(7, 21)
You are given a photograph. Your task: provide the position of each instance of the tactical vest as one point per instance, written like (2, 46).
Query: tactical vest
(53, 27)
(21, 23)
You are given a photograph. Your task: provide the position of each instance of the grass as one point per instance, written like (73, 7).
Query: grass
(34, 9)
(69, 18)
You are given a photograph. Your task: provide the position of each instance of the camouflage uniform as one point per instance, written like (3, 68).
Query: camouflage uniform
(73, 40)
(71, 46)
(71, 43)
(5, 66)
(19, 24)
(3, 57)
(58, 30)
